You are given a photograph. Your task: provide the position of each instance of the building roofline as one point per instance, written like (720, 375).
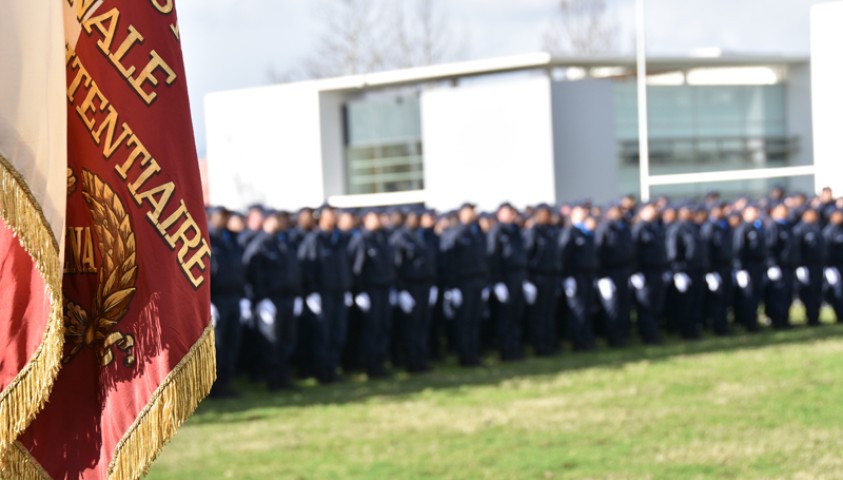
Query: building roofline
(534, 61)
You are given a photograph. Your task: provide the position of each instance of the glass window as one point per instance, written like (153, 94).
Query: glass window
(384, 146)
(704, 128)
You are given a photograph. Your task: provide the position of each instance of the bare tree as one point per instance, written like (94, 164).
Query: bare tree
(352, 41)
(582, 27)
(425, 37)
(362, 36)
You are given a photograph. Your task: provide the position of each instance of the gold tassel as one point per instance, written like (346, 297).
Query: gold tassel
(21, 400)
(170, 405)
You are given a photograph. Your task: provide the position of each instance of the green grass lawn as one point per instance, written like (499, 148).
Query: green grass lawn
(768, 405)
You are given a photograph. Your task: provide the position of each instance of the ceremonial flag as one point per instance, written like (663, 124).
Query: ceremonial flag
(139, 348)
(32, 199)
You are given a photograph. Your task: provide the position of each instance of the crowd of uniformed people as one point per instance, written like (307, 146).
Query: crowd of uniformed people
(328, 292)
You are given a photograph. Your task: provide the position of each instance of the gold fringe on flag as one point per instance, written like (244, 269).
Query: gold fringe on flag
(27, 393)
(170, 405)
(19, 464)
(173, 401)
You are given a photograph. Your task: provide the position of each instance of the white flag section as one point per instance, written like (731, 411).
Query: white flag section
(33, 186)
(33, 115)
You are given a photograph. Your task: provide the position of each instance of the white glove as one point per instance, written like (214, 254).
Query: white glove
(454, 297)
(484, 294)
(433, 296)
(803, 275)
(606, 288)
(314, 303)
(393, 297)
(215, 315)
(501, 292)
(832, 276)
(570, 286)
(363, 302)
(298, 307)
(348, 299)
(406, 302)
(774, 274)
(530, 292)
(638, 281)
(714, 280)
(682, 281)
(266, 311)
(245, 309)
(742, 277)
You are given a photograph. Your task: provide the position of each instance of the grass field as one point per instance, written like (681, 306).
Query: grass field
(767, 405)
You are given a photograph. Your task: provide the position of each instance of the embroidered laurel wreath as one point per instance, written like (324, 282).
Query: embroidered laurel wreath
(117, 276)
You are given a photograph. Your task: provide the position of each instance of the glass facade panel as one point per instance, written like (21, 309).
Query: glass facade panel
(383, 146)
(704, 128)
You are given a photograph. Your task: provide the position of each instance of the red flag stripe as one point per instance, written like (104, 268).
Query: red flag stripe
(30, 318)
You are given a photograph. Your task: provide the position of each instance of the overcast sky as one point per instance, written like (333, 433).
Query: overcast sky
(235, 43)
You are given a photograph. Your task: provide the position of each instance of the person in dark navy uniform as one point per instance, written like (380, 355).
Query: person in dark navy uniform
(809, 274)
(373, 268)
(466, 274)
(415, 264)
(833, 272)
(508, 269)
(541, 242)
(686, 256)
(272, 271)
(327, 283)
(616, 257)
(579, 272)
(255, 216)
(648, 279)
(227, 293)
(749, 248)
(717, 236)
(783, 259)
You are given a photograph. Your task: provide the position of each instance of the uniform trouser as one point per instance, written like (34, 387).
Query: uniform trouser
(227, 334)
(415, 327)
(649, 302)
(717, 302)
(510, 319)
(579, 306)
(688, 305)
(467, 321)
(541, 316)
(617, 307)
(374, 340)
(778, 297)
(279, 338)
(395, 332)
(834, 296)
(437, 332)
(332, 329)
(811, 294)
(747, 298)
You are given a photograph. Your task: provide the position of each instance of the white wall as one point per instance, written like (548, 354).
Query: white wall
(827, 93)
(585, 144)
(488, 143)
(264, 145)
(799, 122)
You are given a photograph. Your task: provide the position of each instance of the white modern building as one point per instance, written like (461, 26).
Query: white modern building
(530, 128)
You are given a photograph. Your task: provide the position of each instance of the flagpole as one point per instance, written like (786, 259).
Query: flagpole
(643, 131)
